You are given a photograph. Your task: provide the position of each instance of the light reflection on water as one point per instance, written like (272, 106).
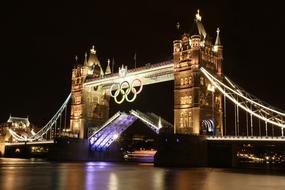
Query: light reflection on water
(38, 174)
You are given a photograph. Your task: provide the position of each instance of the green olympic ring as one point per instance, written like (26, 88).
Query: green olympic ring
(124, 88)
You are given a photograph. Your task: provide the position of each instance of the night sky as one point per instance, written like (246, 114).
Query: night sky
(39, 42)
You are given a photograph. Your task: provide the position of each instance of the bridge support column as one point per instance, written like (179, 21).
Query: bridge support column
(76, 120)
(181, 150)
(89, 105)
(197, 106)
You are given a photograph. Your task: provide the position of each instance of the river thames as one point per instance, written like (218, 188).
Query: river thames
(40, 174)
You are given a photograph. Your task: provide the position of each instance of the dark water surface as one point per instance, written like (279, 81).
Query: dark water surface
(24, 174)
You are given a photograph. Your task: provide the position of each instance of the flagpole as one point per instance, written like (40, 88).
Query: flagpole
(113, 63)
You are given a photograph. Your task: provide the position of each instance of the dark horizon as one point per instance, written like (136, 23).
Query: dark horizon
(40, 41)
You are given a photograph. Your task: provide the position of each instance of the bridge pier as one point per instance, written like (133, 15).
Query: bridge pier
(2, 149)
(70, 149)
(198, 151)
(181, 150)
(221, 154)
(17, 151)
(26, 150)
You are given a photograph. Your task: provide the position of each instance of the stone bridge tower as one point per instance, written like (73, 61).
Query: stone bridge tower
(197, 106)
(89, 106)
(76, 113)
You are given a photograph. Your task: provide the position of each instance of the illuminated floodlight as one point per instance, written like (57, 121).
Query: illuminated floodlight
(92, 140)
(211, 88)
(115, 136)
(159, 123)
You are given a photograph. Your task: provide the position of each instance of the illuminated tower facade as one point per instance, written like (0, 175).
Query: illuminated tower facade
(197, 105)
(76, 115)
(89, 106)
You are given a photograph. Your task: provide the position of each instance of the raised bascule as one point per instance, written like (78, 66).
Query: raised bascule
(202, 94)
(91, 92)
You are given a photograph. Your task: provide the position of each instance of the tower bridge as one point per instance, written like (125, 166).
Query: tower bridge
(92, 88)
(202, 94)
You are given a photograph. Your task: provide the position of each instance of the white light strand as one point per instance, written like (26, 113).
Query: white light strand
(51, 122)
(244, 138)
(106, 123)
(44, 129)
(211, 78)
(156, 128)
(239, 94)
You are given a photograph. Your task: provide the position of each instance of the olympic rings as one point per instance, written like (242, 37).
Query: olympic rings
(124, 89)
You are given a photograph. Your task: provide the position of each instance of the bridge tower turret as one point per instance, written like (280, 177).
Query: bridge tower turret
(79, 74)
(197, 106)
(218, 48)
(90, 105)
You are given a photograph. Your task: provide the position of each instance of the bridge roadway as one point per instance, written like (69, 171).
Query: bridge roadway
(246, 138)
(209, 138)
(30, 143)
(148, 74)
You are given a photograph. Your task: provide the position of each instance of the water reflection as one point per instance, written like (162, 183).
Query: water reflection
(90, 180)
(113, 181)
(31, 174)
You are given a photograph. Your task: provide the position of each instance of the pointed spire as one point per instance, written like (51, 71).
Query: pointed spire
(92, 50)
(76, 61)
(177, 25)
(101, 71)
(197, 27)
(198, 17)
(159, 123)
(195, 30)
(113, 64)
(108, 68)
(218, 41)
(93, 59)
(218, 45)
(85, 58)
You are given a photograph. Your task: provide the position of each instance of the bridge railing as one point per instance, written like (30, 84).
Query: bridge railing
(252, 106)
(50, 124)
(133, 70)
(103, 139)
(164, 122)
(246, 138)
(111, 119)
(145, 119)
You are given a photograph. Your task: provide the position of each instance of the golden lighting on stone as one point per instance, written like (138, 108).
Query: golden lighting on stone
(93, 50)
(211, 88)
(198, 17)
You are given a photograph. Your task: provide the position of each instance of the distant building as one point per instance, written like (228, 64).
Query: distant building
(20, 125)
(18, 122)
